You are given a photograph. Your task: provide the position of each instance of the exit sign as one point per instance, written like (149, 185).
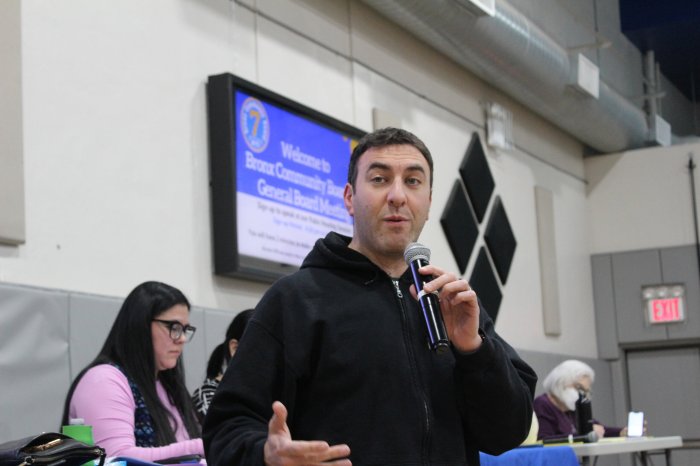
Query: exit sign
(664, 303)
(663, 311)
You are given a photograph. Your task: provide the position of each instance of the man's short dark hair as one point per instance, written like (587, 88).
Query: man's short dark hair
(387, 137)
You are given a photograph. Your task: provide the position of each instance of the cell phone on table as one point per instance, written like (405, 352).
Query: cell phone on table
(635, 424)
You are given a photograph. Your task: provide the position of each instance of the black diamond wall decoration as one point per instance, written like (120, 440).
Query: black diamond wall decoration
(500, 239)
(461, 219)
(460, 226)
(476, 176)
(485, 283)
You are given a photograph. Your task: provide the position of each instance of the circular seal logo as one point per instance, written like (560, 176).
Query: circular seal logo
(255, 125)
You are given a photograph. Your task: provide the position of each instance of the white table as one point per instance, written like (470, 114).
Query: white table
(614, 446)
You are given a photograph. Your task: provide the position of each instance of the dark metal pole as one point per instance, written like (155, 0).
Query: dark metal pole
(691, 168)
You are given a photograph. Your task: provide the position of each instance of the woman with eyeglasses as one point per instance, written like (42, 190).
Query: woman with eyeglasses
(133, 394)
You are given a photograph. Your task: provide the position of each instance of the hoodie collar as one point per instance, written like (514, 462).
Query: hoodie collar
(332, 252)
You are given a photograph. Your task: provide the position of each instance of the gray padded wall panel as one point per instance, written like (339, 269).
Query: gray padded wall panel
(541, 363)
(680, 265)
(90, 319)
(654, 378)
(619, 395)
(663, 384)
(604, 303)
(619, 390)
(213, 332)
(34, 363)
(631, 270)
(216, 323)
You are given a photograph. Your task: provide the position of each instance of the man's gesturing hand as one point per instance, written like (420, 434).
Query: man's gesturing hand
(281, 450)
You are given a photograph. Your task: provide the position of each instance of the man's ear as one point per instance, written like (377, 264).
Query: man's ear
(348, 193)
(430, 204)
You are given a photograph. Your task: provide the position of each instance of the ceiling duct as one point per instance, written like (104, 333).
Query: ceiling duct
(515, 55)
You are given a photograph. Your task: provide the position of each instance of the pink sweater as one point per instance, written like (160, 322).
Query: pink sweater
(103, 399)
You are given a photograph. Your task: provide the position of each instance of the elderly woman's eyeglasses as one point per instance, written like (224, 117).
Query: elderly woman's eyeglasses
(587, 391)
(176, 329)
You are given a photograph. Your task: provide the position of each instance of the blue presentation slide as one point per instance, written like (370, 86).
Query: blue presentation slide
(290, 177)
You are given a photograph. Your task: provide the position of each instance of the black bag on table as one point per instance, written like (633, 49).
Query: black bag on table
(49, 449)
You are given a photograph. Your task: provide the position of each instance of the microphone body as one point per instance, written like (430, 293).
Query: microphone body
(590, 437)
(584, 414)
(417, 256)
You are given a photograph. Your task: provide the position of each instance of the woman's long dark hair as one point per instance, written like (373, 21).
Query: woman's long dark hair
(220, 356)
(130, 345)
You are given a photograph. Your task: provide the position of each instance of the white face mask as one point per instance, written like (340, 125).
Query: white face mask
(569, 396)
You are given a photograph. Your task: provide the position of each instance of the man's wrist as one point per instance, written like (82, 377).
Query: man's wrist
(477, 341)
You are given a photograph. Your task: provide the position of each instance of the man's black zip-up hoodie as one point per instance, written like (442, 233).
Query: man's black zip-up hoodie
(344, 347)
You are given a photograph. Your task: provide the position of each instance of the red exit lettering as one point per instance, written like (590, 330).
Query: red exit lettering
(665, 310)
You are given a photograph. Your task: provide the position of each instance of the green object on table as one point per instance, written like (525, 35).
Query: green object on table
(79, 432)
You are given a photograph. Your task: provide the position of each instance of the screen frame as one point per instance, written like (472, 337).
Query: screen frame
(221, 112)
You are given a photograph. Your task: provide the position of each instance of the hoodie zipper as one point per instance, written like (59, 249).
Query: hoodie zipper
(421, 393)
(398, 290)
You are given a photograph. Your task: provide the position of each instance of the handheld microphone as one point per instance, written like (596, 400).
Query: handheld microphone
(590, 437)
(416, 256)
(584, 414)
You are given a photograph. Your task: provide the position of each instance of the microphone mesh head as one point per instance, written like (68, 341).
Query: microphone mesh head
(416, 251)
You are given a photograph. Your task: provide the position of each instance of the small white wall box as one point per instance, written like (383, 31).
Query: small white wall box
(585, 76)
(499, 126)
(664, 304)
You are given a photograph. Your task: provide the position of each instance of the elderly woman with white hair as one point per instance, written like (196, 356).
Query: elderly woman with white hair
(555, 409)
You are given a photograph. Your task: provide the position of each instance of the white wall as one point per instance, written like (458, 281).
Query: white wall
(642, 199)
(116, 157)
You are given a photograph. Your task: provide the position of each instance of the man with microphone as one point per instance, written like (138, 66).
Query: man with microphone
(338, 365)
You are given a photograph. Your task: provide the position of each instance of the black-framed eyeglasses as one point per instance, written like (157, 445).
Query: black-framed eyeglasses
(587, 392)
(176, 329)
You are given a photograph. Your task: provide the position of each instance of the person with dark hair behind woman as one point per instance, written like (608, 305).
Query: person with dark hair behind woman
(133, 394)
(218, 361)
